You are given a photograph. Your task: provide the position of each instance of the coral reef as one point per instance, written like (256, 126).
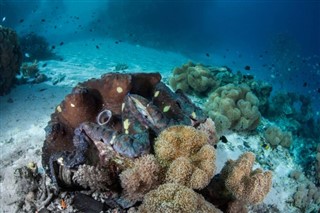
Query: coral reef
(275, 136)
(175, 198)
(187, 155)
(127, 139)
(201, 80)
(141, 178)
(35, 47)
(244, 184)
(233, 107)
(138, 114)
(295, 114)
(193, 78)
(10, 58)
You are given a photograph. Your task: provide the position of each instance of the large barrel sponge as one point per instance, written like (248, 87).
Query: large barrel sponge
(175, 198)
(193, 78)
(233, 107)
(244, 184)
(187, 154)
(10, 58)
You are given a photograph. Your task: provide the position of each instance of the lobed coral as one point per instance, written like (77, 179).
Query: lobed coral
(141, 178)
(193, 78)
(10, 58)
(175, 198)
(275, 136)
(233, 107)
(244, 184)
(187, 155)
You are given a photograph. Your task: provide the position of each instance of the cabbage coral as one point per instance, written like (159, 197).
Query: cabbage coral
(175, 198)
(187, 155)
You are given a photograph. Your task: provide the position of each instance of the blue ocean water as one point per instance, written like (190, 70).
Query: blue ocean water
(232, 33)
(278, 40)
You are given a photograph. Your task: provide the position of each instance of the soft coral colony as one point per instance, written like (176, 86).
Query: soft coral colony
(134, 145)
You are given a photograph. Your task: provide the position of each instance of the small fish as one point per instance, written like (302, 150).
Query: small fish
(266, 146)
(305, 84)
(97, 46)
(43, 20)
(207, 54)
(44, 65)
(247, 67)
(61, 43)
(318, 90)
(27, 55)
(53, 47)
(117, 42)
(223, 139)
(3, 19)
(21, 20)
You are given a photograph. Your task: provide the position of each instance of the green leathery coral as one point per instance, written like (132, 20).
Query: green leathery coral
(193, 78)
(233, 107)
(275, 136)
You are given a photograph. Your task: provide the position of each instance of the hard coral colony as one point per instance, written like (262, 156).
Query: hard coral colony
(127, 138)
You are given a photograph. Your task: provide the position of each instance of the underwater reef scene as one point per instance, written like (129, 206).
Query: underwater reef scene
(159, 106)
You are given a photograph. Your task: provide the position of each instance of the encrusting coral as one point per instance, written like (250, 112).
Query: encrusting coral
(275, 136)
(187, 155)
(175, 198)
(141, 178)
(233, 107)
(244, 184)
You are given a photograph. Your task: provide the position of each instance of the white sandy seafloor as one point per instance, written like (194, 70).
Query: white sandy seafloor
(22, 120)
